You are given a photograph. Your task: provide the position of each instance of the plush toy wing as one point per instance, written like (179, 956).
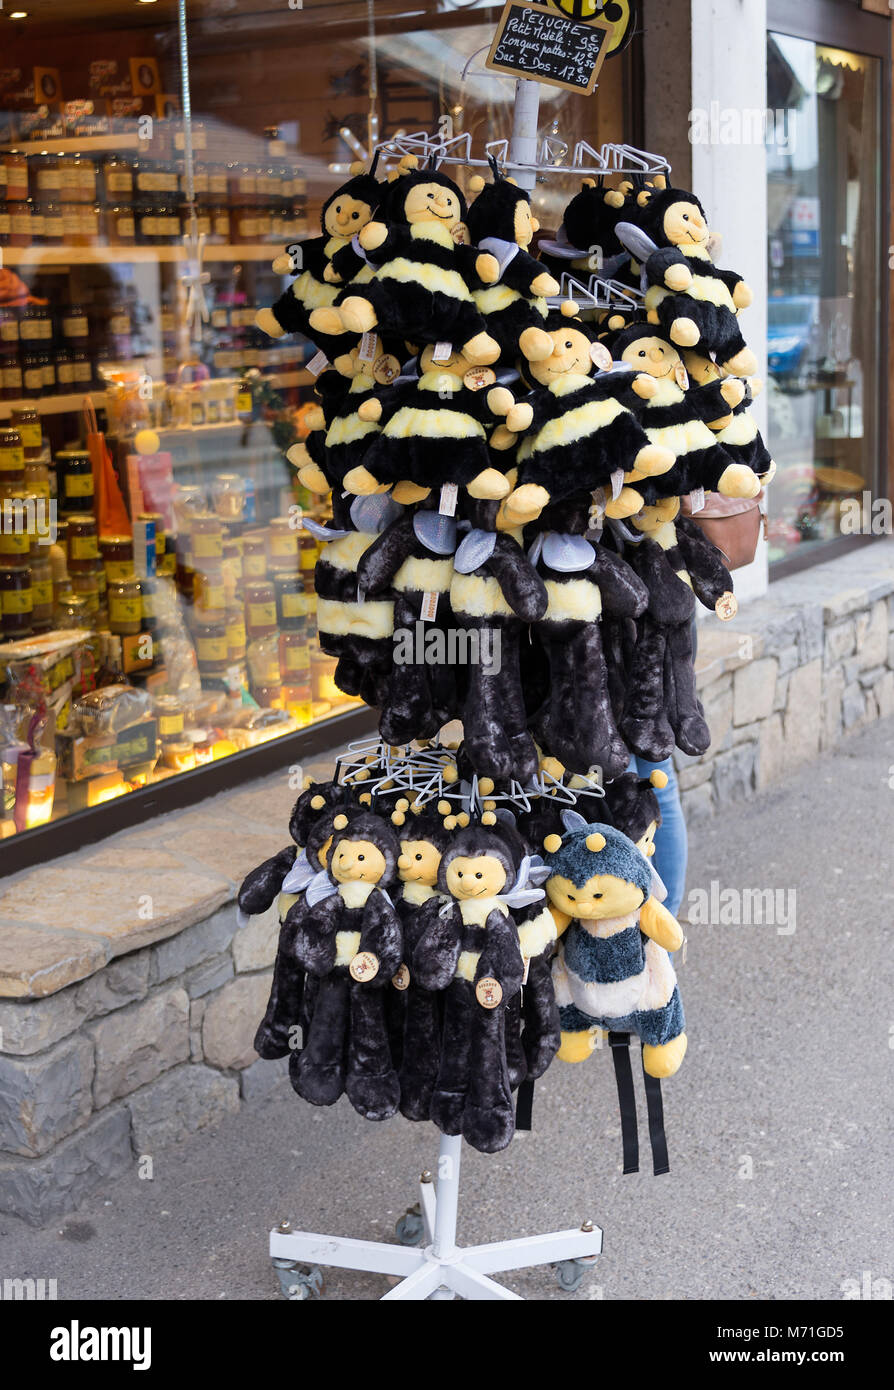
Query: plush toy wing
(638, 243)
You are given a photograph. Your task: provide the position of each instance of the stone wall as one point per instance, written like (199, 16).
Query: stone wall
(121, 1031)
(792, 675)
(157, 1045)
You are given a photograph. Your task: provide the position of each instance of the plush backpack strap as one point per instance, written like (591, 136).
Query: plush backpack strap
(657, 1137)
(524, 1105)
(620, 1046)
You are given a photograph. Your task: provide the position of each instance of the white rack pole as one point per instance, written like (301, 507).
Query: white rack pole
(523, 144)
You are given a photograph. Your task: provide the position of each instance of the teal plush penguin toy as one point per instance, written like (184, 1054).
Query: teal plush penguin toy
(613, 970)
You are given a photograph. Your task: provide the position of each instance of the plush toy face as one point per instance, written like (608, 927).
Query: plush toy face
(357, 861)
(570, 354)
(601, 896)
(652, 355)
(432, 202)
(684, 225)
(646, 841)
(346, 216)
(650, 518)
(419, 861)
(526, 223)
(479, 877)
(455, 364)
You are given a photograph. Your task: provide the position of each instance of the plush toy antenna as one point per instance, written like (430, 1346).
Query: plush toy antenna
(658, 778)
(595, 842)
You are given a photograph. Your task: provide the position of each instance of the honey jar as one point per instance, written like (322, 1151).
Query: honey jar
(212, 651)
(27, 421)
(282, 540)
(83, 545)
(117, 556)
(260, 608)
(125, 606)
(16, 601)
(12, 457)
(254, 555)
(75, 474)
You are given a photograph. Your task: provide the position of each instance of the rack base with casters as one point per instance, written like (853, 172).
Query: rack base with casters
(428, 1263)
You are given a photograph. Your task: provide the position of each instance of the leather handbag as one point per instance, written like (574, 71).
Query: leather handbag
(733, 524)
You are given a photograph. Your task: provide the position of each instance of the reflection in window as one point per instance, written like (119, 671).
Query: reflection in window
(824, 290)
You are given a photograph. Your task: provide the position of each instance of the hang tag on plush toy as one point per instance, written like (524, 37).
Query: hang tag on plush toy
(600, 356)
(489, 992)
(681, 376)
(449, 494)
(460, 234)
(527, 961)
(476, 378)
(429, 608)
(442, 352)
(369, 346)
(727, 606)
(697, 500)
(401, 979)
(364, 966)
(386, 369)
(617, 482)
(317, 363)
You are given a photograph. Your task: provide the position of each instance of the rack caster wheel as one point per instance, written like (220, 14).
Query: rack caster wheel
(298, 1283)
(410, 1229)
(570, 1274)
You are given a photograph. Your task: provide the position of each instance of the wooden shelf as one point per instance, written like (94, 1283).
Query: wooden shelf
(64, 405)
(132, 255)
(81, 144)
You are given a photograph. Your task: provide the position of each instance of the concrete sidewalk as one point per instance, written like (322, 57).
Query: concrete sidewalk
(788, 1078)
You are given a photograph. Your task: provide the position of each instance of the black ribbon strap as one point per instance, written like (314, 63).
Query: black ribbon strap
(657, 1137)
(524, 1105)
(620, 1046)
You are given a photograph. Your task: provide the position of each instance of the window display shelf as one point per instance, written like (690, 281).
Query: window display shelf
(131, 255)
(82, 144)
(63, 405)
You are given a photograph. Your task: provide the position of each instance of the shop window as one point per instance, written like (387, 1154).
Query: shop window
(156, 592)
(825, 286)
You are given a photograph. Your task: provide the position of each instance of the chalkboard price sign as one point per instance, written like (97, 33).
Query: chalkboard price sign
(532, 41)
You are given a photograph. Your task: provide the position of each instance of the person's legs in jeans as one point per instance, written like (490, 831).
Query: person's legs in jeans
(671, 843)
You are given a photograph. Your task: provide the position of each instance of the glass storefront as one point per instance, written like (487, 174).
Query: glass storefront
(825, 268)
(155, 580)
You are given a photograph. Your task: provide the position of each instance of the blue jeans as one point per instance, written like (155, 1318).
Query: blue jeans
(671, 844)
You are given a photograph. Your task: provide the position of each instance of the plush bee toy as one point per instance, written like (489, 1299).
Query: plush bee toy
(584, 427)
(317, 284)
(349, 938)
(613, 970)
(420, 290)
(677, 563)
(737, 431)
(694, 302)
(673, 420)
(434, 430)
(471, 951)
(511, 287)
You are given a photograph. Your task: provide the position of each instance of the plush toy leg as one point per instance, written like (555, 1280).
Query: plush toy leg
(328, 321)
(690, 730)
(274, 1037)
(371, 1082)
(582, 732)
(408, 713)
(494, 721)
(645, 725)
(449, 1096)
(578, 1046)
(266, 320)
(663, 1059)
(516, 1061)
(421, 1053)
(318, 1071)
(541, 1036)
(357, 314)
(489, 1118)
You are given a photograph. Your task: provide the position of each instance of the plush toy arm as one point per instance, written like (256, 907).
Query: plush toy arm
(345, 264)
(435, 957)
(670, 599)
(522, 587)
(528, 277)
(381, 933)
(260, 887)
(660, 925)
(709, 403)
(381, 242)
(741, 292)
(380, 563)
(561, 919)
(313, 934)
(669, 268)
(710, 576)
(502, 957)
(624, 594)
